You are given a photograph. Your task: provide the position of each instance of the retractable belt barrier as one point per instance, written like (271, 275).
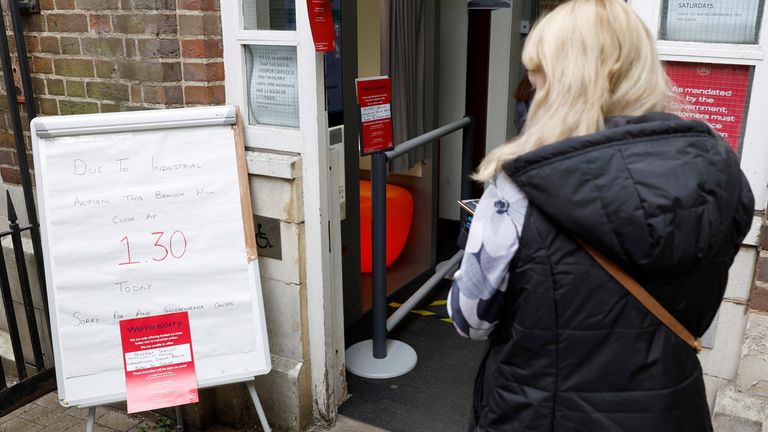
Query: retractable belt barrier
(380, 357)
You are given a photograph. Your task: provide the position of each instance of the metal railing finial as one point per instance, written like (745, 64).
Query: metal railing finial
(12, 218)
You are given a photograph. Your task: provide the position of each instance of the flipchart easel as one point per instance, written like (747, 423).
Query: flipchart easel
(174, 132)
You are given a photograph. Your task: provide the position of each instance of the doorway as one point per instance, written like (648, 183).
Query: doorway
(447, 362)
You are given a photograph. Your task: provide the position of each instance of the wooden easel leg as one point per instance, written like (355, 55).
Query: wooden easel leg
(91, 419)
(179, 419)
(255, 398)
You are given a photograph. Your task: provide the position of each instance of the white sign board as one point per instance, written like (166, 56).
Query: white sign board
(141, 214)
(719, 21)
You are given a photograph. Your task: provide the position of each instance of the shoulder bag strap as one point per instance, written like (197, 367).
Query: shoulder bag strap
(642, 295)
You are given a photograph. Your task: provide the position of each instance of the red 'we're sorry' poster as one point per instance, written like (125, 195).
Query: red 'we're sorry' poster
(158, 359)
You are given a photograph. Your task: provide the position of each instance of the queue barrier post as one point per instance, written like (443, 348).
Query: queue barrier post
(379, 357)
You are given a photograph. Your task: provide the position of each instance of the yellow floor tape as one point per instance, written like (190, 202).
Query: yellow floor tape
(423, 312)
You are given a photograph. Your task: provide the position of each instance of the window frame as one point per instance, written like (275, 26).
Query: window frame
(234, 39)
(310, 141)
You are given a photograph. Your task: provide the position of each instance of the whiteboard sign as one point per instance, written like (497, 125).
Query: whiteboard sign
(141, 220)
(723, 21)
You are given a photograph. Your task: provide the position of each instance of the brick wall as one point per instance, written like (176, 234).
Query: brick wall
(90, 56)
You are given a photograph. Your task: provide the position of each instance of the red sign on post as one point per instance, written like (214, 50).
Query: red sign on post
(321, 23)
(713, 93)
(374, 96)
(158, 360)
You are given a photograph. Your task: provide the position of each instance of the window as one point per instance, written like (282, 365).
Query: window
(267, 48)
(269, 15)
(714, 21)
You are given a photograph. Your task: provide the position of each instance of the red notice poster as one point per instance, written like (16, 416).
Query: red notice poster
(321, 23)
(159, 365)
(374, 96)
(712, 93)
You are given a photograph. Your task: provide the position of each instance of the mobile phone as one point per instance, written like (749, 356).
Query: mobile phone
(469, 205)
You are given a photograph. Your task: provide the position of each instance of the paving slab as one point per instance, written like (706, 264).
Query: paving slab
(144, 426)
(62, 423)
(41, 415)
(119, 421)
(346, 424)
(47, 415)
(18, 424)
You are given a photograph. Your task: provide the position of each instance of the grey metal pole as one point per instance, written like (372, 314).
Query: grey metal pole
(179, 418)
(257, 403)
(379, 252)
(424, 291)
(91, 421)
(428, 137)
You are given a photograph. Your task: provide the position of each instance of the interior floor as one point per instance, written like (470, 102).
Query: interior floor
(437, 394)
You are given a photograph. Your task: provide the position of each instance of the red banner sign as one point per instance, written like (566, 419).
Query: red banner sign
(321, 23)
(158, 360)
(374, 95)
(713, 93)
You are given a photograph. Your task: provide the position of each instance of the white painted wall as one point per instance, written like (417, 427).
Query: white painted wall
(452, 87)
(498, 78)
(368, 38)
(452, 93)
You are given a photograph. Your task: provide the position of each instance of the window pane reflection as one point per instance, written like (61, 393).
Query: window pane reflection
(269, 14)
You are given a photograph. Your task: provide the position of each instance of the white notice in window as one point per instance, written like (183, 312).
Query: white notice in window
(717, 21)
(273, 88)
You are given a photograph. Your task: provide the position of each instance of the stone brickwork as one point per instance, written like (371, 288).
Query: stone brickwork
(742, 398)
(759, 296)
(277, 190)
(91, 56)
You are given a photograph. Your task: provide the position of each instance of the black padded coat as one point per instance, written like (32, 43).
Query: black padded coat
(666, 200)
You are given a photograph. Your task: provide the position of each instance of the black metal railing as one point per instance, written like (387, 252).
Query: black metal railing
(25, 379)
(31, 378)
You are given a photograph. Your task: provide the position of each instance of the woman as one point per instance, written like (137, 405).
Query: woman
(523, 98)
(599, 161)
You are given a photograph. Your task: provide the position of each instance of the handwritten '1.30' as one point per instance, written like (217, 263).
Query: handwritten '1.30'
(175, 246)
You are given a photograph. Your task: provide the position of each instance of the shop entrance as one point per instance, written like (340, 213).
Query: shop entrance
(465, 62)
(455, 63)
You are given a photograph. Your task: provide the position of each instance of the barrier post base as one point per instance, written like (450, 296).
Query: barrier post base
(400, 360)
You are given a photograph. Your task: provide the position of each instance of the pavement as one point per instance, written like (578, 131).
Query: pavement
(47, 415)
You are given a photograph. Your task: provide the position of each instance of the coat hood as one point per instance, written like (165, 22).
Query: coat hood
(655, 193)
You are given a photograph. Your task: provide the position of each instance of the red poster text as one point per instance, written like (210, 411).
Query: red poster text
(715, 94)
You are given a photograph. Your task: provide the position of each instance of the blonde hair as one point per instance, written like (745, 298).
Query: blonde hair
(599, 60)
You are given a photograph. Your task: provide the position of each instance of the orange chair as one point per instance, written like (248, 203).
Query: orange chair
(399, 219)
